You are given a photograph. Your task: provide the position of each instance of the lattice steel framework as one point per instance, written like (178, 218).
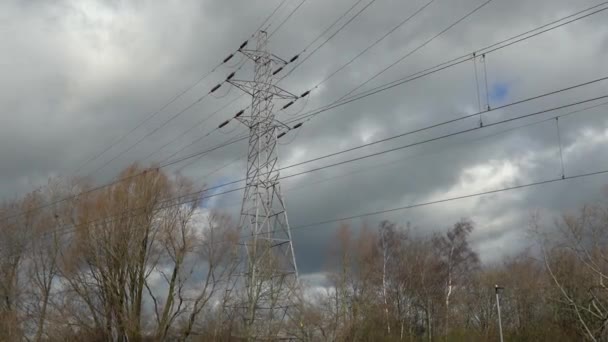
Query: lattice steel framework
(270, 270)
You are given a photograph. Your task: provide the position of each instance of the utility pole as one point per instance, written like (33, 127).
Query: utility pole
(269, 269)
(497, 290)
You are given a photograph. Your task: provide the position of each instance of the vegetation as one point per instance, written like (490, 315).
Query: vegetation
(139, 260)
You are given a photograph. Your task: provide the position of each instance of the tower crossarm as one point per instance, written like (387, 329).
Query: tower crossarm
(254, 55)
(251, 87)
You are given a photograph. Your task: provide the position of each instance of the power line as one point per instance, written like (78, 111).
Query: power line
(413, 144)
(476, 128)
(450, 199)
(229, 142)
(428, 203)
(402, 57)
(166, 122)
(293, 11)
(275, 30)
(330, 37)
(171, 101)
(168, 161)
(330, 27)
(395, 162)
(235, 140)
(175, 116)
(376, 90)
(205, 119)
(147, 118)
(421, 46)
(285, 20)
(456, 61)
(451, 121)
(485, 127)
(493, 47)
(270, 16)
(222, 167)
(150, 116)
(433, 69)
(403, 22)
(196, 160)
(422, 204)
(199, 194)
(191, 128)
(453, 62)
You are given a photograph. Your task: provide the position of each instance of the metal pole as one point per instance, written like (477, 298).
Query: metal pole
(497, 290)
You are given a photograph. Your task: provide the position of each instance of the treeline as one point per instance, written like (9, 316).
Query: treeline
(140, 261)
(390, 284)
(132, 261)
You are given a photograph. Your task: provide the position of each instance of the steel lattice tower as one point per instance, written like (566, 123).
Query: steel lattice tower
(270, 271)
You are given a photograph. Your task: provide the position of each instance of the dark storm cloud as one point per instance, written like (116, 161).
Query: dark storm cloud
(77, 75)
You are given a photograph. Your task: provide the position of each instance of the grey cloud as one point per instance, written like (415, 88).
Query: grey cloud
(79, 75)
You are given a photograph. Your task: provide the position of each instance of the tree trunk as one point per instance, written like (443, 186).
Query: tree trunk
(429, 326)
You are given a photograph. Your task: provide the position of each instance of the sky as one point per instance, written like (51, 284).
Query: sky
(79, 75)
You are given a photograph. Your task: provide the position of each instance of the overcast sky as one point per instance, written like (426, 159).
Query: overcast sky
(76, 76)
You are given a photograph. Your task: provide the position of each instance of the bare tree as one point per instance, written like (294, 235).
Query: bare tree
(218, 251)
(15, 233)
(457, 261)
(387, 241)
(176, 239)
(113, 251)
(143, 260)
(577, 262)
(46, 243)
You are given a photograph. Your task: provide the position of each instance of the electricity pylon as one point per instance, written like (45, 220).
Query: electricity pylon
(270, 271)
